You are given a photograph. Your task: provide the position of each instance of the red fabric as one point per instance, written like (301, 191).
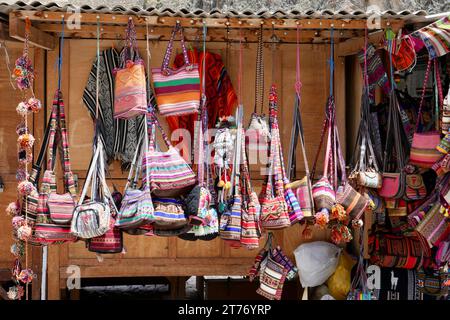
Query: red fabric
(221, 99)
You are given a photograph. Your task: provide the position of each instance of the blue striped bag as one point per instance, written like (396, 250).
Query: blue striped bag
(230, 220)
(168, 213)
(137, 206)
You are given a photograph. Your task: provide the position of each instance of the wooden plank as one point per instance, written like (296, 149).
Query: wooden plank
(4, 33)
(248, 23)
(37, 38)
(353, 46)
(193, 34)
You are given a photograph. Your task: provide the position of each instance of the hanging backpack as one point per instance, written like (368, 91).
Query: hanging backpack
(92, 218)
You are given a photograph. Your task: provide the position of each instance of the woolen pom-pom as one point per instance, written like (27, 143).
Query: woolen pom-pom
(34, 105)
(25, 188)
(15, 293)
(17, 222)
(26, 276)
(24, 232)
(322, 218)
(13, 209)
(22, 109)
(21, 174)
(26, 141)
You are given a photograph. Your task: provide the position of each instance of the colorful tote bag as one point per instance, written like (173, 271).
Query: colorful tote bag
(137, 206)
(169, 213)
(55, 211)
(92, 218)
(230, 227)
(250, 230)
(436, 37)
(169, 175)
(424, 152)
(274, 208)
(177, 91)
(393, 184)
(130, 94)
(397, 251)
(404, 57)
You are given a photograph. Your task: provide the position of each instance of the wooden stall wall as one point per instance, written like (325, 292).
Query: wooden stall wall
(170, 256)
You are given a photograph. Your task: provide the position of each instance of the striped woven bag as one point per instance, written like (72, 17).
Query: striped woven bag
(274, 208)
(55, 210)
(424, 152)
(137, 206)
(177, 91)
(130, 94)
(169, 175)
(250, 230)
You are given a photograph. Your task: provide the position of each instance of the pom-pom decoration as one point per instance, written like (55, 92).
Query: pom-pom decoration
(34, 105)
(338, 213)
(322, 218)
(26, 276)
(13, 209)
(25, 188)
(22, 109)
(26, 141)
(23, 72)
(21, 174)
(15, 293)
(17, 222)
(24, 232)
(340, 234)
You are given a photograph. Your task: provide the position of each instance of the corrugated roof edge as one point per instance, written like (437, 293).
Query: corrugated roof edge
(214, 13)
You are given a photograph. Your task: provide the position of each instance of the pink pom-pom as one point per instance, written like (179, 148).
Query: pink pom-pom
(17, 222)
(24, 232)
(21, 174)
(34, 105)
(25, 188)
(26, 276)
(13, 209)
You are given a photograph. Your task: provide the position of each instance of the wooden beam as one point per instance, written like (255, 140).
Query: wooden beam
(4, 33)
(117, 19)
(353, 46)
(38, 38)
(192, 34)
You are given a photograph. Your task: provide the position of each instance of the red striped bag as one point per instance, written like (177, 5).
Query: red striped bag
(177, 91)
(55, 210)
(250, 230)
